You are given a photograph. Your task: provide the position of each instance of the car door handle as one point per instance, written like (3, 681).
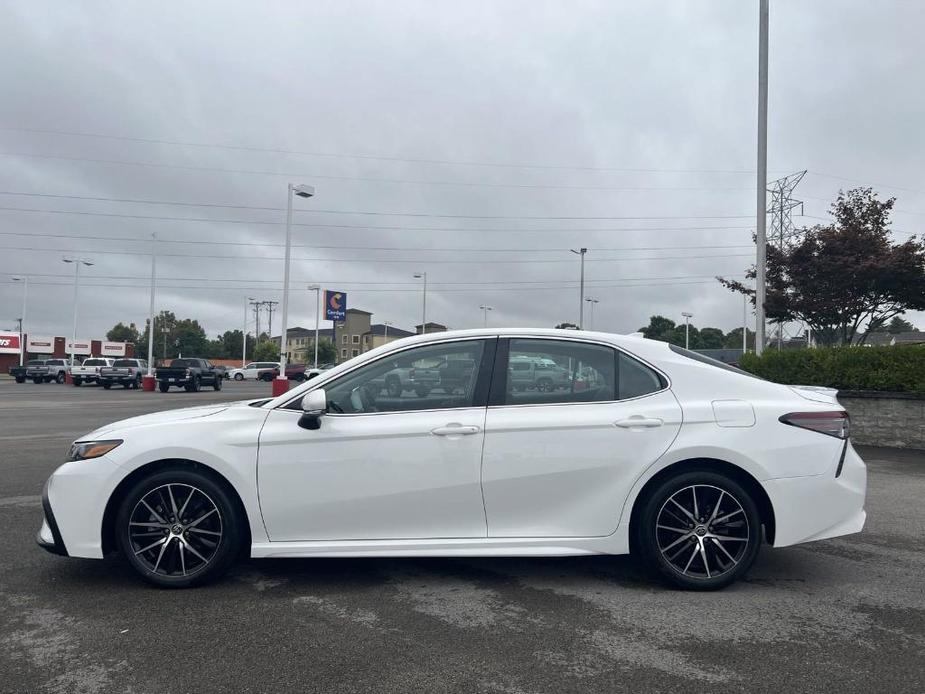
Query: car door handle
(455, 430)
(638, 422)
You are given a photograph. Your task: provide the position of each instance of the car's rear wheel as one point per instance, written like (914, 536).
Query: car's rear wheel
(239, 377)
(107, 385)
(38, 380)
(136, 384)
(163, 386)
(20, 379)
(179, 528)
(699, 530)
(60, 378)
(218, 383)
(77, 380)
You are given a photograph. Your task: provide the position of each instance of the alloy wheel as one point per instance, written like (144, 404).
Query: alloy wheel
(175, 530)
(702, 531)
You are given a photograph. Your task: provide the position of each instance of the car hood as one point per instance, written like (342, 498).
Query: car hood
(166, 417)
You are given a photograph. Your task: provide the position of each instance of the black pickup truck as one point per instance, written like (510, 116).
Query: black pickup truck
(20, 372)
(192, 374)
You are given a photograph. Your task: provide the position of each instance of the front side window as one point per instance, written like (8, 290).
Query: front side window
(554, 371)
(423, 378)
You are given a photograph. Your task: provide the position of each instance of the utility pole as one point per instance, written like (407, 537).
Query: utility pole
(744, 324)
(22, 320)
(271, 306)
(761, 209)
(150, 375)
(581, 287)
(782, 229)
(257, 305)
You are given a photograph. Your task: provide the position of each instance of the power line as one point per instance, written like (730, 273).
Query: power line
(372, 179)
(361, 260)
(370, 213)
(373, 157)
(454, 249)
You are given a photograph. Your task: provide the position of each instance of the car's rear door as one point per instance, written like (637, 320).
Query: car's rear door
(560, 462)
(381, 466)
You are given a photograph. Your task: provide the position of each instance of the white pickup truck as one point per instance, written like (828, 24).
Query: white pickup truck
(89, 370)
(127, 372)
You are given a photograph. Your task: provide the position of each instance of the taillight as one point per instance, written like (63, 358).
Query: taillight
(831, 423)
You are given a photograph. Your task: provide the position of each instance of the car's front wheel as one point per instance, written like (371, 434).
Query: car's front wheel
(179, 528)
(218, 383)
(699, 530)
(239, 377)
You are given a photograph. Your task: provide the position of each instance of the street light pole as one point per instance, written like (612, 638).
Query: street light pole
(385, 336)
(281, 384)
(149, 377)
(22, 319)
(247, 303)
(687, 328)
(744, 324)
(591, 317)
(485, 310)
(317, 289)
(417, 276)
(761, 237)
(581, 287)
(77, 263)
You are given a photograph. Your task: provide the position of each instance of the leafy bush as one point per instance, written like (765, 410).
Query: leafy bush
(894, 369)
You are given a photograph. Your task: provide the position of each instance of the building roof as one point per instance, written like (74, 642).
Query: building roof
(912, 337)
(358, 310)
(296, 332)
(430, 325)
(379, 329)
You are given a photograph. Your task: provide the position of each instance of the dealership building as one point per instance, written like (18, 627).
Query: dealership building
(53, 347)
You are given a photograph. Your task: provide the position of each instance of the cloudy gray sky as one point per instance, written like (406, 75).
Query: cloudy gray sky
(479, 140)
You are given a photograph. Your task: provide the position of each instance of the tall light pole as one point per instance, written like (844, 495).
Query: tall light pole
(761, 236)
(581, 287)
(22, 318)
(744, 323)
(485, 310)
(687, 328)
(281, 384)
(148, 380)
(591, 317)
(418, 276)
(77, 263)
(317, 289)
(385, 336)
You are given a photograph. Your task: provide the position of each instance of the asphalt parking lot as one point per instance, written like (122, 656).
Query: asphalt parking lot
(844, 615)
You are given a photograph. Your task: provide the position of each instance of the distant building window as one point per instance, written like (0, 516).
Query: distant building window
(343, 339)
(354, 352)
(356, 339)
(343, 353)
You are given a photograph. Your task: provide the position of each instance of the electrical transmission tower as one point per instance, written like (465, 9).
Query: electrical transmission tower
(781, 231)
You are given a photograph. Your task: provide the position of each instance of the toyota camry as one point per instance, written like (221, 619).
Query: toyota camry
(504, 443)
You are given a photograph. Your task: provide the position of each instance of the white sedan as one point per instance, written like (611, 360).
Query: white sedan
(648, 448)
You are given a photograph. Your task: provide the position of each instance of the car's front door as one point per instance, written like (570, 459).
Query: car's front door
(381, 466)
(560, 460)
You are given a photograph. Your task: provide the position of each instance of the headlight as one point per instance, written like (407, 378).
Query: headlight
(85, 450)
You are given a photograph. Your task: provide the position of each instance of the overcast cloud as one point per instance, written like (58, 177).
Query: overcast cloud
(667, 87)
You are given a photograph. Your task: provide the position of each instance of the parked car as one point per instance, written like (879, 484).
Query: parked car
(294, 372)
(89, 370)
(222, 370)
(253, 371)
(49, 370)
(529, 372)
(19, 372)
(688, 463)
(126, 372)
(192, 374)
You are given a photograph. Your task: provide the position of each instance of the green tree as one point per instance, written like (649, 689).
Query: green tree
(124, 333)
(711, 338)
(899, 325)
(164, 319)
(660, 328)
(844, 275)
(190, 339)
(733, 339)
(267, 350)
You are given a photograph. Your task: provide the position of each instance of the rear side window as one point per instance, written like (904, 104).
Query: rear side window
(124, 362)
(558, 371)
(635, 378)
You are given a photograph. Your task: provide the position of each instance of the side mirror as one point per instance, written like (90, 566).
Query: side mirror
(314, 405)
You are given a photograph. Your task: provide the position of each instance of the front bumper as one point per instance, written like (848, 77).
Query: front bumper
(49, 536)
(820, 506)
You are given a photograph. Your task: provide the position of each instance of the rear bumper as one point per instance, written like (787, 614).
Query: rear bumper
(819, 506)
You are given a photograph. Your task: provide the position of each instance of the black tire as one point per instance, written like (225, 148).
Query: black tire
(544, 385)
(20, 379)
(266, 377)
(225, 522)
(38, 380)
(731, 558)
(77, 381)
(136, 384)
(393, 387)
(60, 378)
(239, 377)
(107, 385)
(218, 384)
(163, 386)
(422, 391)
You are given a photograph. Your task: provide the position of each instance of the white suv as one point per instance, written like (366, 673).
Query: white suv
(254, 371)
